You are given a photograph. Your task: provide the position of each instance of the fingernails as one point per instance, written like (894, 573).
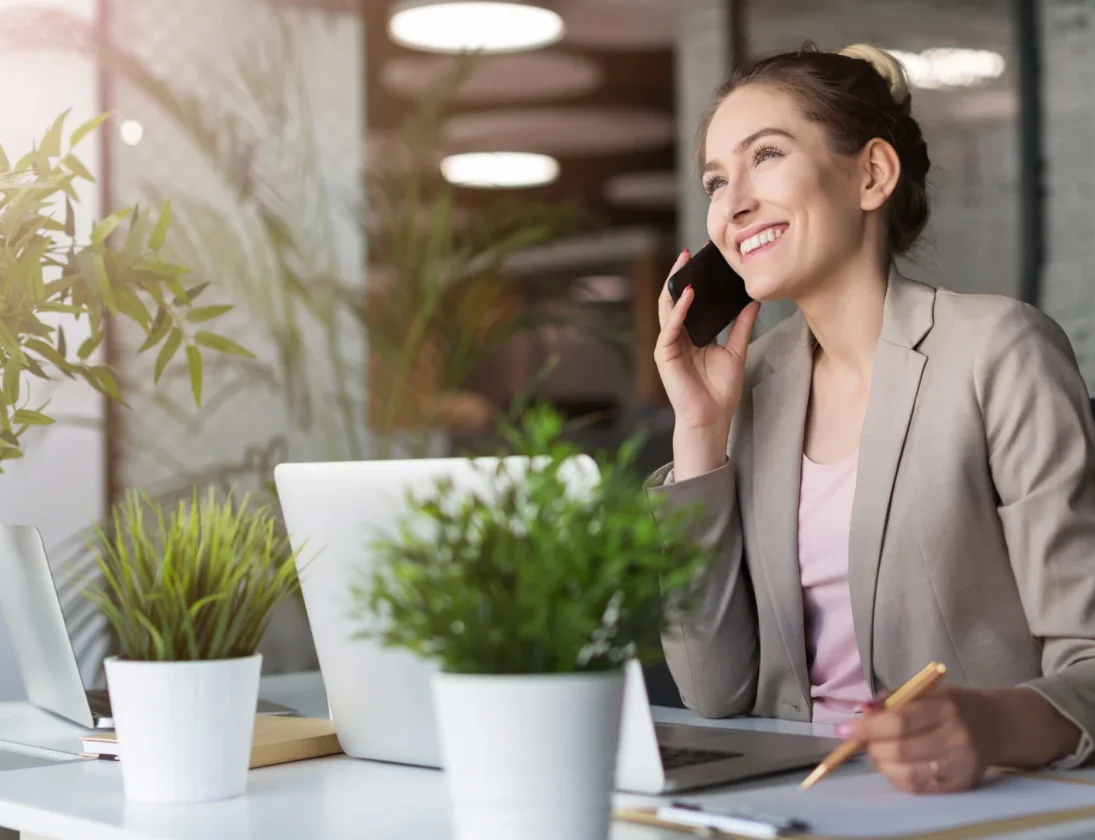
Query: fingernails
(843, 730)
(871, 705)
(688, 288)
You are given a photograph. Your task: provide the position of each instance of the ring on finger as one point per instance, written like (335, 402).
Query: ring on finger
(933, 774)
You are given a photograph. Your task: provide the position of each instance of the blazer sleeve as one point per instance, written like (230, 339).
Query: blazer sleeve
(712, 650)
(1041, 444)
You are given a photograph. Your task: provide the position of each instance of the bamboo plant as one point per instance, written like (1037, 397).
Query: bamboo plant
(46, 272)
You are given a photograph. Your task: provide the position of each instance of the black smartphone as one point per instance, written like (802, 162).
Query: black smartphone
(719, 294)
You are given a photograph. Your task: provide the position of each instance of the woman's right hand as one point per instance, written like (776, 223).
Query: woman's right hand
(703, 384)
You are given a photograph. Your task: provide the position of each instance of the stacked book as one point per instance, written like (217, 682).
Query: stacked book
(277, 740)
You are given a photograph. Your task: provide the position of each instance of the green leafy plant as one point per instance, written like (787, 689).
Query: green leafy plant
(196, 583)
(537, 574)
(44, 272)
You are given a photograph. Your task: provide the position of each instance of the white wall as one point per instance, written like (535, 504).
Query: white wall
(59, 485)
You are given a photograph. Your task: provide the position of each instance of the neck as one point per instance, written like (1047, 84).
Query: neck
(845, 316)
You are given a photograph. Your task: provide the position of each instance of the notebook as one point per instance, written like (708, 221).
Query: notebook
(276, 740)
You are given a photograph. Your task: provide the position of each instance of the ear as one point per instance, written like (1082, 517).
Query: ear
(879, 168)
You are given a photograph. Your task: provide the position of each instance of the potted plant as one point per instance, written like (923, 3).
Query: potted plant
(188, 593)
(532, 595)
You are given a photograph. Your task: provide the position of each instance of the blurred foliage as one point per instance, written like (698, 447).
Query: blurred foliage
(445, 299)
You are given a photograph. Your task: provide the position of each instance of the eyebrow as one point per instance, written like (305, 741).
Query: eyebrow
(749, 141)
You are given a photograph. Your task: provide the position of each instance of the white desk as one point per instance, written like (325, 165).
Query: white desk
(326, 799)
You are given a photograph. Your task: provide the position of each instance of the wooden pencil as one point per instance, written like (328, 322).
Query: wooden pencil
(916, 686)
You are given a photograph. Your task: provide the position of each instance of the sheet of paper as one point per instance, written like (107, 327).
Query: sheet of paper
(866, 805)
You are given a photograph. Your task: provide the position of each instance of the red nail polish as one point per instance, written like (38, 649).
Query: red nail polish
(688, 288)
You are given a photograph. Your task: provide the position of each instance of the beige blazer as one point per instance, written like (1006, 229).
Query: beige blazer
(973, 524)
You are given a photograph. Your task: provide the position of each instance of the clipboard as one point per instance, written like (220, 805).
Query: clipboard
(972, 831)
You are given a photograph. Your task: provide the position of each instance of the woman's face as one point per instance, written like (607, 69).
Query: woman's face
(785, 210)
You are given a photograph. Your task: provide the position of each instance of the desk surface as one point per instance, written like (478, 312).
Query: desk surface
(326, 799)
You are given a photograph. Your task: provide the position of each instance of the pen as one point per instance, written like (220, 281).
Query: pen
(741, 823)
(909, 691)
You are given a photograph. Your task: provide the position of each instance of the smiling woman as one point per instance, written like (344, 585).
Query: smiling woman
(895, 475)
(808, 169)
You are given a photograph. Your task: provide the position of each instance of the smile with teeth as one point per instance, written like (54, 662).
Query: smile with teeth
(763, 238)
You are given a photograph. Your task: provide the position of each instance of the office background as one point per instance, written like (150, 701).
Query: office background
(255, 116)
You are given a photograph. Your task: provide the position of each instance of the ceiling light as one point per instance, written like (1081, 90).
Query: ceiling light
(499, 170)
(945, 67)
(131, 132)
(490, 26)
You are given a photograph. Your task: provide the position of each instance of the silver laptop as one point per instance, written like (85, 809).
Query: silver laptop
(43, 649)
(380, 699)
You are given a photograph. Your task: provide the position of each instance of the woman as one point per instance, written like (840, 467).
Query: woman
(909, 473)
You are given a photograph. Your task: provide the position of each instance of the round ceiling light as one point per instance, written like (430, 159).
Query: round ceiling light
(489, 26)
(499, 170)
(944, 67)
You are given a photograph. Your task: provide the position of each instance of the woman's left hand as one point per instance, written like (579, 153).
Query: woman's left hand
(931, 745)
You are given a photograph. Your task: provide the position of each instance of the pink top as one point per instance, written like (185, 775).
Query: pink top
(837, 685)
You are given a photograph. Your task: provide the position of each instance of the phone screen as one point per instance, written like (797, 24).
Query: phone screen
(719, 294)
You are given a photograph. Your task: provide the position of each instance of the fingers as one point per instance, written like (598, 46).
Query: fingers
(742, 329)
(924, 747)
(674, 324)
(922, 777)
(665, 300)
(916, 748)
(942, 774)
(918, 732)
(893, 724)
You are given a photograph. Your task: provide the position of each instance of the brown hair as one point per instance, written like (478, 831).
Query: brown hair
(857, 94)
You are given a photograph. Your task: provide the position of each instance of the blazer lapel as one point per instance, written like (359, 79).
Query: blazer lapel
(779, 415)
(895, 381)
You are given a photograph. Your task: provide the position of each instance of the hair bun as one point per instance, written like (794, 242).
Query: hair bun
(888, 67)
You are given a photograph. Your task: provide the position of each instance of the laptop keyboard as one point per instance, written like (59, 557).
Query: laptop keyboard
(674, 758)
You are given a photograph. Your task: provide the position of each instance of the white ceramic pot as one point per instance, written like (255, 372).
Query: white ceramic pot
(184, 728)
(530, 757)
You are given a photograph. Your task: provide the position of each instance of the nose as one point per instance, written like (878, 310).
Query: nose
(741, 203)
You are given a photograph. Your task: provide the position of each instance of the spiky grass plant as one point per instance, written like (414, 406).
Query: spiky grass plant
(198, 582)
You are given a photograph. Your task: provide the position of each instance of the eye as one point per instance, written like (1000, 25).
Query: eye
(712, 183)
(765, 153)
